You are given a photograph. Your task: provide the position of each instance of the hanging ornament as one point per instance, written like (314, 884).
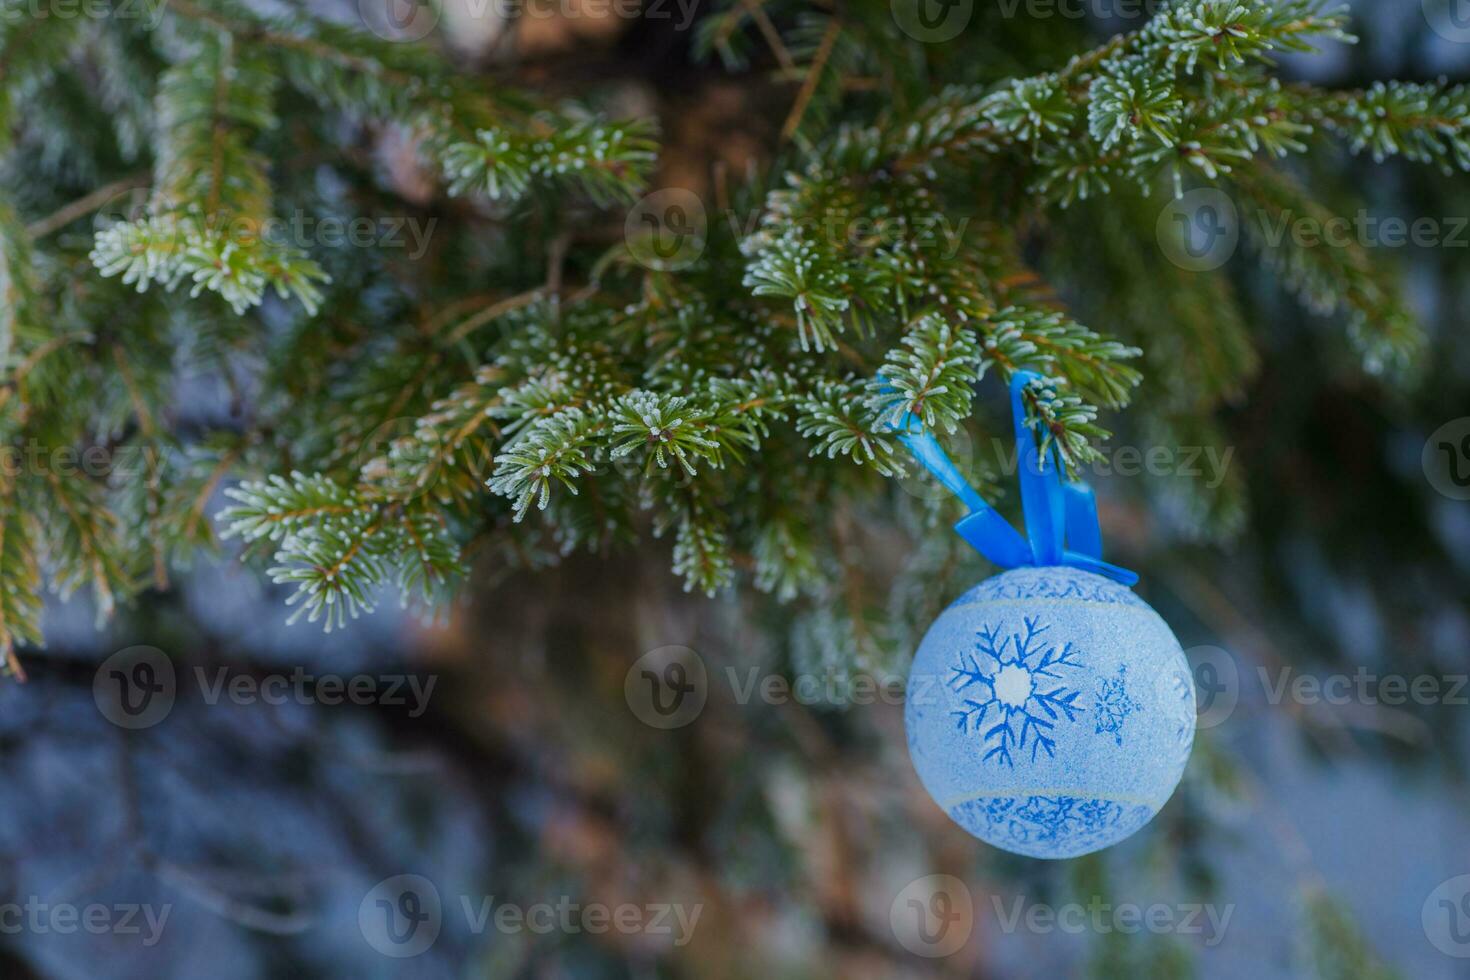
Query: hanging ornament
(1050, 710)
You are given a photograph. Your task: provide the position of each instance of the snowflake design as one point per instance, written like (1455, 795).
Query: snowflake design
(1005, 676)
(1114, 705)
(1050, 826)
(1184, 710)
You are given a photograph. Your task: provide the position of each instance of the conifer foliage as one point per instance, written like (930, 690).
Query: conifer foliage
(524, 389)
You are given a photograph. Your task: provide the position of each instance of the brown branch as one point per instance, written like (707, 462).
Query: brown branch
(769, 32)
(83, 206)
(813, 78)
(493, 311)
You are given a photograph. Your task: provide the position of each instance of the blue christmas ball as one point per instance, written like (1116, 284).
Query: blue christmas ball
(1050, 711)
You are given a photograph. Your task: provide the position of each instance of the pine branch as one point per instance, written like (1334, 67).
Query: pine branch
(449, 454)
(1065, 420)
(1334, 944)
(929, 377)
(716, 401)
(555, 448)
(608, 161)
(30, 49)
(211, 196)
(20, 579)
(277, 507)
(1050, 342)
(791, 267)
(1233, 33)
(84, 543)
(786, 557)
(337, 545)
(669, 429)
(17, 289)
(1329, 276)
(840, 423)
(1424, 123)
(702, 551)
(486, 142)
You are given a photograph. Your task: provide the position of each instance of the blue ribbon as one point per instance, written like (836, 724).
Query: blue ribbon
(1061, 517)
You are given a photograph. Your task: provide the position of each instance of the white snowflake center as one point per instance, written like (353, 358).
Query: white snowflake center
(1013, 685)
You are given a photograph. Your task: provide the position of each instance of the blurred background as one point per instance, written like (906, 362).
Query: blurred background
(256, 814)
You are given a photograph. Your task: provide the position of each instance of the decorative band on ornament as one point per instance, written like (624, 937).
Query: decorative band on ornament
(1081, 794)
(1002, 603)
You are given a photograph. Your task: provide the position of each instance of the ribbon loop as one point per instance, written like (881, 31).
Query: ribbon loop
(1061, 518)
